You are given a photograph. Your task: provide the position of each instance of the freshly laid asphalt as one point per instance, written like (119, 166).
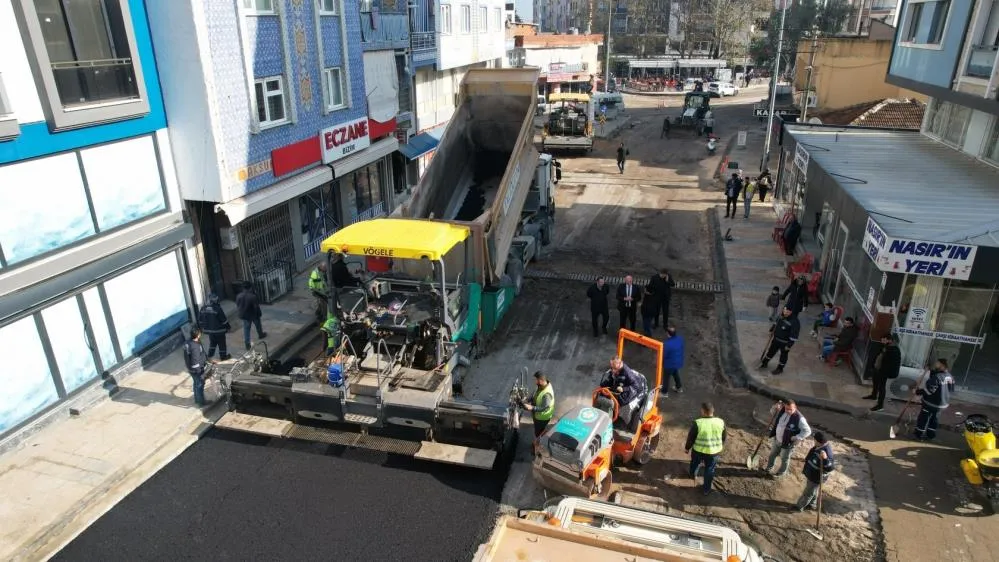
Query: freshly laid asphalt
(234, 496)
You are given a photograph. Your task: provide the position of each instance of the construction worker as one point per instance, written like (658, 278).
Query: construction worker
(789, 429)
(705, 442)
(317, 285)
(212, 321)
(331, 328)
(784, 335)
(542, 406)
(818, 464)
(936, 396)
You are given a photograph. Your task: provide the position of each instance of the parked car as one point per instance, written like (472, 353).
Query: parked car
(723, 88)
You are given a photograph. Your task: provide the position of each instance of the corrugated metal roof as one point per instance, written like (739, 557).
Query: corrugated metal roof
(913, 186)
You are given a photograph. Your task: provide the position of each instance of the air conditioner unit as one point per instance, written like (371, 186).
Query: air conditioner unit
(229, 238)
(274, 283)
(901, 388)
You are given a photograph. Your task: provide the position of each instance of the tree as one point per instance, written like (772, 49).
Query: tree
(802, 17)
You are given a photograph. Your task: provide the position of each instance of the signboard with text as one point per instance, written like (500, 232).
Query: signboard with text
(344, 139)
(801, 158)
(903, 255)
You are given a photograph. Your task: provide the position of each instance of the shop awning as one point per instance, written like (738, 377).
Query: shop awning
(379, 149)
(419, 145)
(397, 238)
(252, 203)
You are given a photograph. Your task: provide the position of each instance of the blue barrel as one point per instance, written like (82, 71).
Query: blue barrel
(335, 375)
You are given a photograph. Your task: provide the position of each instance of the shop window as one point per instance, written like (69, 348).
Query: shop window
(947, 121)
(124, 182)
(86, 59)
(65, 328)
(147, 303)
(30, 388)
(991, 152)
(271, 105)
(30, 224)
(8, 122)
(318, 214)
(100, 326)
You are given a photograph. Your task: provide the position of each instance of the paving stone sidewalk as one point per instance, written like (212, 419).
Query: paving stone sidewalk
(64, 477)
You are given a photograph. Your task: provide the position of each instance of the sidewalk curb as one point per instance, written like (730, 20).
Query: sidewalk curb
(724, 154)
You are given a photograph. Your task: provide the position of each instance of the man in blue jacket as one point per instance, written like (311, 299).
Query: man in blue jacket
(673, 352)
(936, 397)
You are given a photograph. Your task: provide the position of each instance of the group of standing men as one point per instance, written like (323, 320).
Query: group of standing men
(652, 300)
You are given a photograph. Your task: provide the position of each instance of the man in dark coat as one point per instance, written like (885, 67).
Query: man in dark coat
(212, 321)
(791, 235)
(248, 308)
(650, 309)
(662, 286)
(886, 367)
(622, 155)
(732, 190)
(598, 293)
(796, 295)
(628, 297)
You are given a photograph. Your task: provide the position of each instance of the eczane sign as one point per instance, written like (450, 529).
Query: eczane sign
(902, 255)
(343, 139)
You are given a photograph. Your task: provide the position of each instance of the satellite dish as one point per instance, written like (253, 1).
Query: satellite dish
(815, 121)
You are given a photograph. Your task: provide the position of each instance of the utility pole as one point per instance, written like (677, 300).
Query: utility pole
(610, 15)
(808, 81)
(782, 5)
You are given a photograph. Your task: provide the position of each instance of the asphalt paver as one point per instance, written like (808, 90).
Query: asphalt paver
(235, 496)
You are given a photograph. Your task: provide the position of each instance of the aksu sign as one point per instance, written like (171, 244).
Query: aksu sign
(918, 257)
(344, 139)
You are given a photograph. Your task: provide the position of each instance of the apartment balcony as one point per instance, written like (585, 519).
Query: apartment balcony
(982, 61)
(384, 31)
(423, 46)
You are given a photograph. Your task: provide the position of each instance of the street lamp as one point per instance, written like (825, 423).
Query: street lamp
(783, 6)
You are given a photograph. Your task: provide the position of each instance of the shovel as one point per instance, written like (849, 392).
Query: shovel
(753, 460)
(893, 430)
(818, 508)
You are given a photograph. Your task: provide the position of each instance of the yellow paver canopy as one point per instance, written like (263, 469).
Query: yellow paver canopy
(397, 238)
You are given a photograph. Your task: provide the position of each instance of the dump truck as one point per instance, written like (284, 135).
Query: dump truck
(413, 296)
(570, 123)
(580, 529)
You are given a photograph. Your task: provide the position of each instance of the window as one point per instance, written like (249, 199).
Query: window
(365, 6)
(483, 18)
(84, 52)
(466, 19)
(991, 152)
(333, 79)
(259, 6)
(327, 7)
(925, 21)
(947, 121)
(8, 124)
(271, 108)
(497, 18)
(446, 19)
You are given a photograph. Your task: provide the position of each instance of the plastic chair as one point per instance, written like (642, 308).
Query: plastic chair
(813, 291)
(801, 267)
(778, 233)
(846, 356)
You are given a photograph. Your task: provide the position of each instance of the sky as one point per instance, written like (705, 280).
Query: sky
(525, 9)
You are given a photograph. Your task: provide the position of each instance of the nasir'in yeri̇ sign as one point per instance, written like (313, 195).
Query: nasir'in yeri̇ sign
(918, 257)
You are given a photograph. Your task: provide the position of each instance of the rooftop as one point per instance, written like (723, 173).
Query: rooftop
(546, 40)
(914, 186)
(887, 113)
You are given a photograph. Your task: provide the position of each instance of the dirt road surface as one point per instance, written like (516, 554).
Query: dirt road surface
(652, 216)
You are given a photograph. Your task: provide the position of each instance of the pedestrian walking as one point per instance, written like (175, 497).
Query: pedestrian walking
(709, 123)
(666, 126)
(542, 405)
(248, 309)
(212, 321)
(936, 397)
(790, 429)
(662, 285)
(628, 297)
(773, 303)
(649, 309)
(732, 189)
(783, 335)
(317, 286)
(841, 342)
(796, 295)
(599, 309)
(747, 198)
(763, 185)
(622, 155)
(886, 367)
(674, 350)
(819, 463)
(196, 362)
(705, 441)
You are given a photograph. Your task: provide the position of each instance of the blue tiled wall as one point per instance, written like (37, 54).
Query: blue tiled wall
(934, 66)
(36, 139)
(305, 82)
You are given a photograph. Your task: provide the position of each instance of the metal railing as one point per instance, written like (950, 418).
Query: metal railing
(981, 61)
(423, 41)
(95, 81)
(375, 211)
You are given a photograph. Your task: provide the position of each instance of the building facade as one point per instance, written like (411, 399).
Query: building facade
(568, 63)
(897, 252)
(448, 38)
(94, 248)
(274, 145)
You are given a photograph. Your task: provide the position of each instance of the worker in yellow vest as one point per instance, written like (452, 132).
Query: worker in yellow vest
(317, 285)
(542, 406)
(705, 441)
(331, 329)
